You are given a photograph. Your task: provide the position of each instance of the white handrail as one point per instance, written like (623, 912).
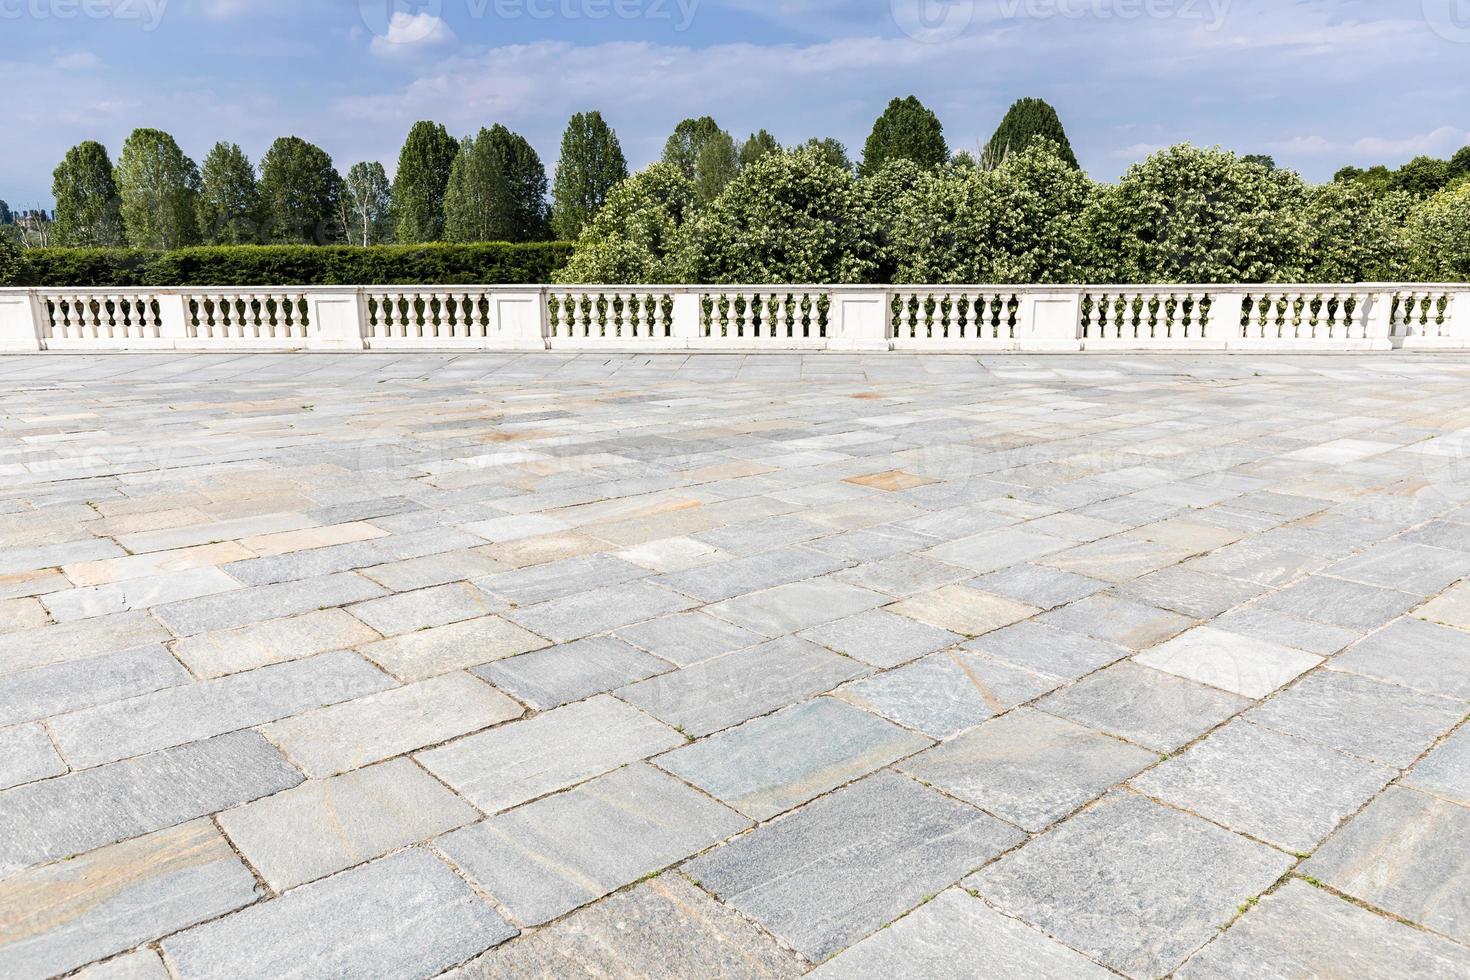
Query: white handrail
(770, 317)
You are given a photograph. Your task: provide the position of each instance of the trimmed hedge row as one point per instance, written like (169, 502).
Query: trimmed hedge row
(491, 263)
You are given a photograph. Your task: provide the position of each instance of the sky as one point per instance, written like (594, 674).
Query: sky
(1316, 84)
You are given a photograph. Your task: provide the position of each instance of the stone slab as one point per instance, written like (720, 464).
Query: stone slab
(662, 929)
(444, 649)
(1277, 788)
(324, 826)
(356, 733)
(275, 641)
(1305, 932)
(552, 856)
(1415, 654)
(77, 684)
(26, 755)
(62, 916)
(1243, 665)
(81, 811)
(1029, 768)
(190, 712)
(1396, 856)
(1132, 884)
(1147, 707)
(866, 855)
(507, 766)
(880, 638)
(945, 693)
(688, 638)
(558, 675)
(407, 915)
(959, 937)
(771, 764)
(715, 694)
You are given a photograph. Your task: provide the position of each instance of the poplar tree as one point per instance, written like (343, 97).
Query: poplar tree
(591, 165)
(159, 187)
(420, 183)
(88, 210)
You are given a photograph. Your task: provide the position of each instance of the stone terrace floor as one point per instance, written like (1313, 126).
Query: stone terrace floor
(698, 666)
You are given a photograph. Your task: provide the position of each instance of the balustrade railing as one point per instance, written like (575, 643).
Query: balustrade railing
(980, 318)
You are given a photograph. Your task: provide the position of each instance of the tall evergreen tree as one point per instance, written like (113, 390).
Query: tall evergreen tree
(907, 130)
(718, 164)
(159, 187)
(688, 139)
(420, 183)
(591, 164)
(496, 191)
(229, 202)
(88, 210)
(1023, 122)
(367, 205)
(756, 147)
(6, 216)
(300, 193)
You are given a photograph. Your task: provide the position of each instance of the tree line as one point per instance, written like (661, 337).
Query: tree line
(490, 186)
(1018, 211)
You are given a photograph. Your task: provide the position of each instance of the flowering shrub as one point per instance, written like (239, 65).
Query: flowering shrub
(789, 217)
(1192, 215)
(634, 235)
(1019, 223)
(1439, 235)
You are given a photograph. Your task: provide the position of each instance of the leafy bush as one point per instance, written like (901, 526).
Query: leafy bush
(1439, 236)
(1020, 223)
(11, 262)
(790, 218)
(1355, 235)
(306, 265)
(1191, 215)
(633, 237)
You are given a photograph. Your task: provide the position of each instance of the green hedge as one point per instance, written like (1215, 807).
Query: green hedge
(298, 265)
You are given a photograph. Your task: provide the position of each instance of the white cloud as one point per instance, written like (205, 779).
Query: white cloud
(408, 33)
(77, 61)
(1378, 149)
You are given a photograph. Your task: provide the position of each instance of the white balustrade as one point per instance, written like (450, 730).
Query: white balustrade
(980, 318)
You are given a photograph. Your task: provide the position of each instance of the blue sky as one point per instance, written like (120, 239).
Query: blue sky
(1317, 84)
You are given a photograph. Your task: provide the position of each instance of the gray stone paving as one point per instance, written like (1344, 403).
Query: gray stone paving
(496, 665)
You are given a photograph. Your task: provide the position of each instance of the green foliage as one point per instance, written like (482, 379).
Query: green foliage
(12, 263)
(421, 181)
(906, 130)
(1459, 164)
(88, 209)
(159, 187)
(367, 205)
(297, 265)
(6, 216)
(1025, 121)
(756, 147)
(229, 201)
(86, 267)
(1192, 215)
(633, 237)
(1439, 236)
(831, 150)
(1020, 223)
(1260, 160)
(591, 165)
(881, 193)
(688, 139)
(1423, 176)
(1354, 235)
(300, 194)
(716, 167)
(496, 190)
(790, 218)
